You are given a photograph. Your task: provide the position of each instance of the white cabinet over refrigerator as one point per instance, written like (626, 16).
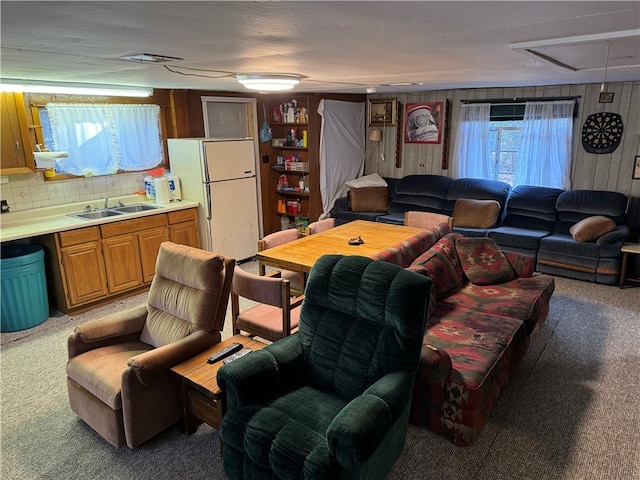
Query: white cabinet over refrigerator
(220, 174)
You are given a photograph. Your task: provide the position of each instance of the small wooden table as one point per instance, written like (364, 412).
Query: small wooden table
(200, 391)
(628, 248)
(301, 254)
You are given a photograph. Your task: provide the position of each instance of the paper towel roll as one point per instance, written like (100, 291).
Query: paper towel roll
(162, 190)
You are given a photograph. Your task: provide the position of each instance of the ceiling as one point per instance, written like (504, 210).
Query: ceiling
(350, 47)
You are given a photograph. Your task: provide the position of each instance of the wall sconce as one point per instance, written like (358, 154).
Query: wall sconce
(376, 136)
(605, 97)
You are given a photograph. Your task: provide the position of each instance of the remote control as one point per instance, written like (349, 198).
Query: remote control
(236, 356)
(225, 352)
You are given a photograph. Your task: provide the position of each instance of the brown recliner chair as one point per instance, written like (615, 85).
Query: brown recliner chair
(118, 373)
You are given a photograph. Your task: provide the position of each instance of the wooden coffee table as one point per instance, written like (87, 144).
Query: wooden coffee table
(201, 394)
(300, 255)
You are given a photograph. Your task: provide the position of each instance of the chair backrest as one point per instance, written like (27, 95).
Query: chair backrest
(273, 240)
(321, 225)
(270, 323)
(426, 220)
(360, 320)
(189, 292)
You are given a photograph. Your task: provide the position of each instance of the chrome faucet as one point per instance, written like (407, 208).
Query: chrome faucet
(106, 202)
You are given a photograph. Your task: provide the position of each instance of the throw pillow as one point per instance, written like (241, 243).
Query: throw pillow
(483, 262)
(369, 199)
(591, 228)
(440, 262)
(373, 180)
(472, 213)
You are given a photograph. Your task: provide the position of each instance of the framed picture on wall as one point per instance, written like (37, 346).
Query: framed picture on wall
(423, 122)
(383, 113)
(636, 168)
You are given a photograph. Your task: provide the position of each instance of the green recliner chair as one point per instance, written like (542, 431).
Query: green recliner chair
(331, 401)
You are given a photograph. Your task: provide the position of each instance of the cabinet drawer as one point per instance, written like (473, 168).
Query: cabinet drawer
(76, 237)
(133, 225)
(205, 408)
(182, 216)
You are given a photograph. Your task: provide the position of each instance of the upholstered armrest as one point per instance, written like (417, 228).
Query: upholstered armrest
(116, 329)
(256, 377)
(435, 365)
(523, 265)
(620, 234)
(358, 429)
(152, 365)
(341, 204)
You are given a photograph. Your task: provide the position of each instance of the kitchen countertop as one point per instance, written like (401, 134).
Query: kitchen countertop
(40, 221)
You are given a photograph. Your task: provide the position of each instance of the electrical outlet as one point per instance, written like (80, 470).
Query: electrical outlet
(4, 206)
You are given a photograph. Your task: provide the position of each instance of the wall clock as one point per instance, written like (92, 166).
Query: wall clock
(601, 132)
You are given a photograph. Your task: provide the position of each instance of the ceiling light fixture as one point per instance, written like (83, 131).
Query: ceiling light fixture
(269, 82)
(32, 86)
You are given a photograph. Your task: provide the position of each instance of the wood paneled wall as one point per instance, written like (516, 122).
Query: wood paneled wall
(612, 172)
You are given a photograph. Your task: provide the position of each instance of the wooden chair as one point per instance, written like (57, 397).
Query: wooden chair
(279, 238)
(321, 225)
(426, 220)
(276, 314)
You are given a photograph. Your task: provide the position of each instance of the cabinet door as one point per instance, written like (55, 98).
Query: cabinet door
(149, 242)
(122, 262)
(16, 145)
(185, 233)
(84, 273)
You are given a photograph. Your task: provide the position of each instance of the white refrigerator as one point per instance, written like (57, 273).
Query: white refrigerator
(220, 174)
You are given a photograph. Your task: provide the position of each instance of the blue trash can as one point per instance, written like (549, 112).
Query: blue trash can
(24, 302)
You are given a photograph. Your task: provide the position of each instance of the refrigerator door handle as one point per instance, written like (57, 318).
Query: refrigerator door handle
(207, 203)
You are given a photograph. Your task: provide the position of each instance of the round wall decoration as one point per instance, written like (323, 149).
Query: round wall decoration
(601, 132)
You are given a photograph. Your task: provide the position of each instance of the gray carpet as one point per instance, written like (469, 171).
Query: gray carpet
(571, 412)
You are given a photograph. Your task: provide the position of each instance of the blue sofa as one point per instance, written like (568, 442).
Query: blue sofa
(533, 221)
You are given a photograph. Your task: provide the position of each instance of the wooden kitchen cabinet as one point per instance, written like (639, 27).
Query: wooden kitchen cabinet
(122, 262)
(149, 243)
(130, 250)
(16, 155)
(78, 276)
(90, 266)
(183, 227)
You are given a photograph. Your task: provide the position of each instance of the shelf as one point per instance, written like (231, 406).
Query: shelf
(277, 168)
(290, 148)
(293, 194)
(280, 214)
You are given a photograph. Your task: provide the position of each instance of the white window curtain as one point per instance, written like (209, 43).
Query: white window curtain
(472, 155)
(545, 145)
(342, 152)
(101, 139)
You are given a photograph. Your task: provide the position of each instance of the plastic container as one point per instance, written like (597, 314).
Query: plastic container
(149, 189)
(175, 193)
(24, 302)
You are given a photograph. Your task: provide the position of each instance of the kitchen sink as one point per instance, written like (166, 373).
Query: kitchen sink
(134, 208)
(95, 215)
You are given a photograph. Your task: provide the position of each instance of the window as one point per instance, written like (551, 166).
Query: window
(527, 144)
(102, 139)
(504, 143)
